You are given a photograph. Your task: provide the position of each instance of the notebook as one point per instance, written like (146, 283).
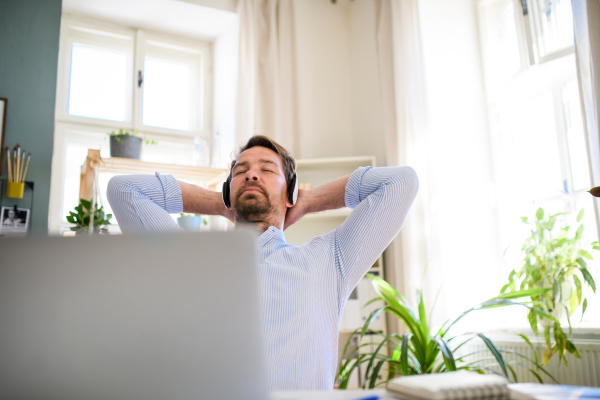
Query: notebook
(450, 385)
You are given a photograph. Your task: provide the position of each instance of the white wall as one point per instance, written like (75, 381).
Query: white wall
(338, 93)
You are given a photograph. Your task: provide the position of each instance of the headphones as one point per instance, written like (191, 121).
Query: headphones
(292, 191)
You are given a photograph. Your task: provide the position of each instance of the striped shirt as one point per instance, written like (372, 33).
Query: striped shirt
(304, 289)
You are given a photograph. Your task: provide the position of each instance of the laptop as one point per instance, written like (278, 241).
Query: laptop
(131, 317)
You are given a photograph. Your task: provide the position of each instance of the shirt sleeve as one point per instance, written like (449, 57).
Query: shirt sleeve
(142, 203)
(380, 199)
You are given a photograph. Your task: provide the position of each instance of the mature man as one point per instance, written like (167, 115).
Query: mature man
(304, 289)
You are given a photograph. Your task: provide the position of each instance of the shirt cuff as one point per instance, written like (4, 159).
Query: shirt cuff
(172, 191)
(352, 193)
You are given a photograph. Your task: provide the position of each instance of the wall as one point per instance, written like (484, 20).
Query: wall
(338, 88)
(29, 35)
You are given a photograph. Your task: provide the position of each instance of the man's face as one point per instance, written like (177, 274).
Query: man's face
(11, 215)
(258, 186)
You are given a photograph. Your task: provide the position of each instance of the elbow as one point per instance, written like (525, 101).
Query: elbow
(413, 179)
(115, 189)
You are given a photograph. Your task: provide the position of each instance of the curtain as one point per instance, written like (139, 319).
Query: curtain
(266, 101)
(405, 128)
(586, 14)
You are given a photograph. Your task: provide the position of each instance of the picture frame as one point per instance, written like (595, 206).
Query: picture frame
(14, 221)
(3, 106)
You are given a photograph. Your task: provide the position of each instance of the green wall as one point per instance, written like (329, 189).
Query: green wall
(29, 36)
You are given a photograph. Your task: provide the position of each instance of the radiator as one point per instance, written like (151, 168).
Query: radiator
(584, 372)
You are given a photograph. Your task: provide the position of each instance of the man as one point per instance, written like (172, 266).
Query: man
(304, 289)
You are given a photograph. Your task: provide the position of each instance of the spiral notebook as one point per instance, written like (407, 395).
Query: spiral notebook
(450, 386)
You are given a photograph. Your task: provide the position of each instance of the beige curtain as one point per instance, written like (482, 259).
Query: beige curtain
(586, 14)
(405, 126)
(266, 101)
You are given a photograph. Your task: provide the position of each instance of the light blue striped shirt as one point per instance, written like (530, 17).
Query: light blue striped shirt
(304, 289)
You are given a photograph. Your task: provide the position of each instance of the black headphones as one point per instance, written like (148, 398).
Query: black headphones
(292, 190)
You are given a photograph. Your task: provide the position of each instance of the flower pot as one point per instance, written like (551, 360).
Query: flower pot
(126, 147)
(189, 223)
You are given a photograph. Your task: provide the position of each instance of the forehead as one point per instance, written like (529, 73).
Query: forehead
(257, 153)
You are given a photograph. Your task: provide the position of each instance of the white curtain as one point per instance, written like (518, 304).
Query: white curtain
(403, 93)
(586, 14)
(266, 101)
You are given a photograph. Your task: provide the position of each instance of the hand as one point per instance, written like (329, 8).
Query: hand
(298, 210)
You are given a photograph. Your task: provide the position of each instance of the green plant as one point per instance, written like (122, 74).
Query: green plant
(423, 351)
(121, 133)
(204, 222)
(554, 259)
(81, 218)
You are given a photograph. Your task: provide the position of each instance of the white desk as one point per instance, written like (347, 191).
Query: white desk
(332, 395)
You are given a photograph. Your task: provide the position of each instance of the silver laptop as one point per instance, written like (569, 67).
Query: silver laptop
(131, 317)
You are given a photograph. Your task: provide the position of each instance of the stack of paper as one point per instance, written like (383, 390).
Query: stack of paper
(450, 385)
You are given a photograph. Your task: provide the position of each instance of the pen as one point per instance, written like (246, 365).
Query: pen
(369, 398)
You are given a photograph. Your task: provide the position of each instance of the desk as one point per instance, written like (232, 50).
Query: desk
(332, 395)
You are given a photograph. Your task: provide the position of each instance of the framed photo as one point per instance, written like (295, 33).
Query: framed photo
(14, 221)
(3, 104)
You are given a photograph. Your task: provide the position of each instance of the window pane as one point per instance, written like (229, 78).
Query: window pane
(556, 24)
(166, 102)
(98, 83)
(576, 136)
(529, 151)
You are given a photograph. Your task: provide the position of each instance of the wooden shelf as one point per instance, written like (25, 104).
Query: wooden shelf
(211, 176)
(342, 212)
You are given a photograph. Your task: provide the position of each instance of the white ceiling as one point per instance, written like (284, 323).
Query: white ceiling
(201, 19)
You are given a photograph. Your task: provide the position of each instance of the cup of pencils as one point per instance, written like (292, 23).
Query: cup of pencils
(17, 170)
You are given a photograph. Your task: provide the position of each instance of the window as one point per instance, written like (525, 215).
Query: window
(538, 140)
(114, 77)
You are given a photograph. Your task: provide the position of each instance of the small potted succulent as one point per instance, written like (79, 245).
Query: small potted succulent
(127, 145)
(191, 222)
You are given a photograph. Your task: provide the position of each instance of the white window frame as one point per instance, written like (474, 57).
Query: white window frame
(137, 43)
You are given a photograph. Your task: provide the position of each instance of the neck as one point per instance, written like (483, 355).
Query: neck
(261, 226)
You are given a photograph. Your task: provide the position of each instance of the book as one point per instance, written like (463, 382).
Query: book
(453, 385)
(536, 391)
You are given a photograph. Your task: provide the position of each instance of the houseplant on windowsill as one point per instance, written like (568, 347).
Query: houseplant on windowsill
(81, 218)
(554, 259)
(191, 222)
(126, 145)
(426, 351)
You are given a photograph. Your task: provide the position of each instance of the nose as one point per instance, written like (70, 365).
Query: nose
(251, 175)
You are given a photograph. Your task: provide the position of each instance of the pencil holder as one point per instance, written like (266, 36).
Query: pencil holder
(15, 190)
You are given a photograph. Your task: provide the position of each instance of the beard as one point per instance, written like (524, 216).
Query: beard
(253, 207)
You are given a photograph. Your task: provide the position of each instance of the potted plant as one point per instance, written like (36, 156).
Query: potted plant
(554, 259)
(81, 218)
(126, 145)
(191, 222)
(425, 351)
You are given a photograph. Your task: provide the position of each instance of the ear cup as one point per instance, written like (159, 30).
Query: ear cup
(226, 193)
(293, 190)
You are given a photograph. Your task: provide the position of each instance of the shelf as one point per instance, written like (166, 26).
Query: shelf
(118, 165)
(342, 212)
(337, 162)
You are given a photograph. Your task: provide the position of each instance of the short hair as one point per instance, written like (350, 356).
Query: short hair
(289, 163)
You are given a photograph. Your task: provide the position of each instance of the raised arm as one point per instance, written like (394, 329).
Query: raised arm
(142, 203)
(381, 199)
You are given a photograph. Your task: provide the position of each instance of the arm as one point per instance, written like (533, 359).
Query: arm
(142, 203)
(380, 199)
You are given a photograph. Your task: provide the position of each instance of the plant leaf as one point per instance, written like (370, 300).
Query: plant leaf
(539, 214)
(495, 351)
(588, 278)
(580, 215)
(447, 354)
(586, 254)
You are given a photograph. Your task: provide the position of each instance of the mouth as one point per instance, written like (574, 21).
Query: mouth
(252, 189)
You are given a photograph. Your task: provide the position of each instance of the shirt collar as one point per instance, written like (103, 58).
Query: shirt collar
(272, 234)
